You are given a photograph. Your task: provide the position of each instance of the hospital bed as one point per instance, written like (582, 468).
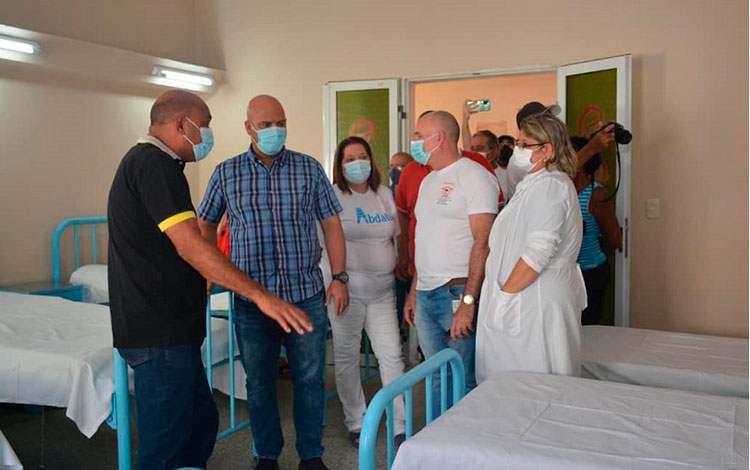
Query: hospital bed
(59, 352)
(536, 421)
(680, 361)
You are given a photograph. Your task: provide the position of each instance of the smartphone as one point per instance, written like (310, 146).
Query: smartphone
(477, 106)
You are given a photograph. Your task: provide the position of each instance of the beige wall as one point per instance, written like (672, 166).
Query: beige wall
(62, 137)
(690, 116)
(507, 95)
(60, 147)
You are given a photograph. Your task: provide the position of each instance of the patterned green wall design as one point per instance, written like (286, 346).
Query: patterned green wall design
(364, 113)
(592, 97)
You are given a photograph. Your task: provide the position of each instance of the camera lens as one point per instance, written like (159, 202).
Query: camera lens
(623, 137)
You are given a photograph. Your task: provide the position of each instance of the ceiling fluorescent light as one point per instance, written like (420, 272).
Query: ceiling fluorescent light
(180, 76)
(18, 45)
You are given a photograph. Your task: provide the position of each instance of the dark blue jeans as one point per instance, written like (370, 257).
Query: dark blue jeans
(177, 419)
(259, 339)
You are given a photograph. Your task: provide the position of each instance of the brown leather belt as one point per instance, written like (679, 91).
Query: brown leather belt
(458, 281)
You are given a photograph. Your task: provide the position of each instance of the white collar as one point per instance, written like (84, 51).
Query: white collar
(149, 139)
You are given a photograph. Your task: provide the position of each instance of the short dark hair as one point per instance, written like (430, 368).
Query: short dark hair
(529, 109)
(506, 137)
(491, 138)
(373, 181)
(590, 167)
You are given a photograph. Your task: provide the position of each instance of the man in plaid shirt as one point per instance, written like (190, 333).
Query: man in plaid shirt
(273, 198)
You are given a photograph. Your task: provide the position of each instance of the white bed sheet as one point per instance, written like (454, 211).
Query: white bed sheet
(698, 363)
(8, 458)
(534, 421)
(56, 352)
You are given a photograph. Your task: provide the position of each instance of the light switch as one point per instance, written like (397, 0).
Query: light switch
(653, 210)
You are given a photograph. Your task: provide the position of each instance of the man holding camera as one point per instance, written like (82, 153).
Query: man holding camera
(598, 143)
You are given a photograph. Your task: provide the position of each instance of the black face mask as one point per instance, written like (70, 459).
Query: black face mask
(505, 153)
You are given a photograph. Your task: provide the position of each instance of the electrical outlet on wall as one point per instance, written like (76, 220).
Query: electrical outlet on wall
(653, 209)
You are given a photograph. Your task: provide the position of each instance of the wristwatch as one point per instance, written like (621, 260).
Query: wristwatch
(342, 277)
(467, 299)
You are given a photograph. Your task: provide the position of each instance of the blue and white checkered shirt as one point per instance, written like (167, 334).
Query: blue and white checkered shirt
(272, 214)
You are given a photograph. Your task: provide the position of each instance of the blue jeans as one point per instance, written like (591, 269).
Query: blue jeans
(177, 419)
(259, 339)
(434, 315)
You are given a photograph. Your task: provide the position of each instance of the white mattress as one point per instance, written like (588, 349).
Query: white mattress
(534, 421)
(56, 352)
(698, 363)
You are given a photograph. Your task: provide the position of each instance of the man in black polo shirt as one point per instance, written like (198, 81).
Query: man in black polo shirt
(158, 266)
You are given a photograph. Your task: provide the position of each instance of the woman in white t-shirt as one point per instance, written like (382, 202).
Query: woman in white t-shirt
(370, 225)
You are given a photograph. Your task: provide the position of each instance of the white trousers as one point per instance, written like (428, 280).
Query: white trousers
(378, 318)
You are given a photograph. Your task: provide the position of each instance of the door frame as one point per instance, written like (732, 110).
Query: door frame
(623, 65)
(329, 106)
(399, 108)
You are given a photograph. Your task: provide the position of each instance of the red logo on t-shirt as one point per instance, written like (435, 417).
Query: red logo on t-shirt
(445, 193)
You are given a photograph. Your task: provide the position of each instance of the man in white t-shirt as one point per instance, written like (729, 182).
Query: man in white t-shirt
(455, 209)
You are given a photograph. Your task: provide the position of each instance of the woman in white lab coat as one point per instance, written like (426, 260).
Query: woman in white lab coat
(533, 293)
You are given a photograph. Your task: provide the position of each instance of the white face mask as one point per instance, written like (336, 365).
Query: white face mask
(519, 166)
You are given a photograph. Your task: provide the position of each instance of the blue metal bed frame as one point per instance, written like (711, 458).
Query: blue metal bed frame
(383, 402)
(75, 222)
(119, 418)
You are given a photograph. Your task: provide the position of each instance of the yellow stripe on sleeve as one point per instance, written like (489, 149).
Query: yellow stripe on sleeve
(175, 219)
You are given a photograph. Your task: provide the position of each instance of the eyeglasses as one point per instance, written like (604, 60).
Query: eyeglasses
(396, 167)
(523, 145)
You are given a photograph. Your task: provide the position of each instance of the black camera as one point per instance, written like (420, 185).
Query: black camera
(622, 135)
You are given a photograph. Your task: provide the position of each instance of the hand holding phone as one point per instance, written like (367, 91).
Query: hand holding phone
(478, 106)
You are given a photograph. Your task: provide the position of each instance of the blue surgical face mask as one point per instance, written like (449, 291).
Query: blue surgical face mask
(201, 149)
(395, 175)
(357, 171)
(271, 139)
(419, 153)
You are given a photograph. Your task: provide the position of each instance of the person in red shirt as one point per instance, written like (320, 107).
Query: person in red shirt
(222, 237)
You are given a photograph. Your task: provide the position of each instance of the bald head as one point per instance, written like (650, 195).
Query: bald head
(263, 103)
(176, 119)
(174, 103)
(445, 122)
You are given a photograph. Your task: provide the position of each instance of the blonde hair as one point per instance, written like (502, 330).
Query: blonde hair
(547, 128)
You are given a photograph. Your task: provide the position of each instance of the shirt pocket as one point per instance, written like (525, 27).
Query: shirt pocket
(297, 200)
(504, 313)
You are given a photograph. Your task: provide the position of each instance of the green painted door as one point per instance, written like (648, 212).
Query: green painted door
(590, 98)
